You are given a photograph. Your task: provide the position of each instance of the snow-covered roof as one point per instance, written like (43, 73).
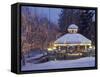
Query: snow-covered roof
(73, 26)
(75, 38)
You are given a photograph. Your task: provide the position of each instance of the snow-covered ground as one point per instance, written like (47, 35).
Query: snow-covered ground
(82, 62)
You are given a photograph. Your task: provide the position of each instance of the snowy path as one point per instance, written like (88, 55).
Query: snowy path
(82, 62)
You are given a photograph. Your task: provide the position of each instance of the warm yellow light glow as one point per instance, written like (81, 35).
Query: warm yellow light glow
(50, 49)
(90, 46)
(55, 45)
(54, 48)
(74, 54)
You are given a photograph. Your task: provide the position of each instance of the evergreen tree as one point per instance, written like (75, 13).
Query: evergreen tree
(87, 26)
(67, 17)
(82, 18)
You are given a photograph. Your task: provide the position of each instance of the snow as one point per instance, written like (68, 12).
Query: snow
(75, 38)
(73, 26)
(82, 62)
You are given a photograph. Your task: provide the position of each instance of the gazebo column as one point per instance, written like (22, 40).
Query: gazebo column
(67, 48)
(59, 48)
(78, 48)
(85, 48)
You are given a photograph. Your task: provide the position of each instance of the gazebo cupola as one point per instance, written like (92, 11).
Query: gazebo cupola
(72, 28)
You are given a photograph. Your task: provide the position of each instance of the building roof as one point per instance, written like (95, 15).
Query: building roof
(72, 39)
(73, 26)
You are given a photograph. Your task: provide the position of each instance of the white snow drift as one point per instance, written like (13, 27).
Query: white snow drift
(82, 62)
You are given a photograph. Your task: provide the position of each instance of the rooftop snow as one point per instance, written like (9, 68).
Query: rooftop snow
(75, 38)
(73, 26)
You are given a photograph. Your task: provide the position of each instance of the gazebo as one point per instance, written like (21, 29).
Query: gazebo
(72, 42)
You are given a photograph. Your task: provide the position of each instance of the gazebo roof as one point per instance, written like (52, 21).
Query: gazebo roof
(70, 38)
(73, 26)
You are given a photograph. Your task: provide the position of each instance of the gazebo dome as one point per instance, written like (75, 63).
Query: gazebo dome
(72, 28)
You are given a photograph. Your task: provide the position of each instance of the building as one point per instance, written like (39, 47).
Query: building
(73, 42)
